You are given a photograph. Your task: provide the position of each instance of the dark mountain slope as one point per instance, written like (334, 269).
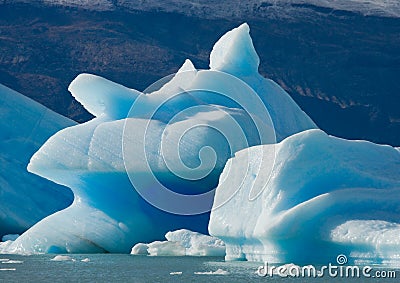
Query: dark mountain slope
(342, 68)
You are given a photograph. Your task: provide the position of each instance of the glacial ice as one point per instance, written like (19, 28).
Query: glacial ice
(148, 162)
(4, 246)
(219, 271)
(140, 249)
(25, 126)
(197, 244)
(12, 262)
(166, 248)
(182, 242)
(62, 258)
(308, 199)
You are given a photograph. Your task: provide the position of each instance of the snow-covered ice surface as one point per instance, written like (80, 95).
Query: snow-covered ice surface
(324, 196)
(179, 135)
(182, 242)
(25, 198)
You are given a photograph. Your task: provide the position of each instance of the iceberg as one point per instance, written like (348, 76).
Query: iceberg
(26, 198)
(4, 246)
(166, 248)
(149, 161)
(182, 242)
(140, 249)
(197, 244)
(308, 199)
(219, 271)
(62, 258)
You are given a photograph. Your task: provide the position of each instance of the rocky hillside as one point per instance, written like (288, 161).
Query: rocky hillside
(341, 67)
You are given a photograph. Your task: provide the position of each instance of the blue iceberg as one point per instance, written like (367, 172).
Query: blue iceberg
(308, 199)
(224, 140)
(26, 198)
(149, 162)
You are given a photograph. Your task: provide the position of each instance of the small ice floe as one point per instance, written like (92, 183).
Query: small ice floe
(12, 261)
(4, 259)
(86, 260)
(140, 249)
(197, 244)
(182, 242)
(176, 273)
(219, 271)
(166, 248)
(8, 269)
(62, 258)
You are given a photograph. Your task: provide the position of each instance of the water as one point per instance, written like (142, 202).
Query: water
(128, 268)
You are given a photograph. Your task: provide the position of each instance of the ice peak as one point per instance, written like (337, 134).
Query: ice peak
(234, 53)
(102, 97)
(181, 80)
(187, 66)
